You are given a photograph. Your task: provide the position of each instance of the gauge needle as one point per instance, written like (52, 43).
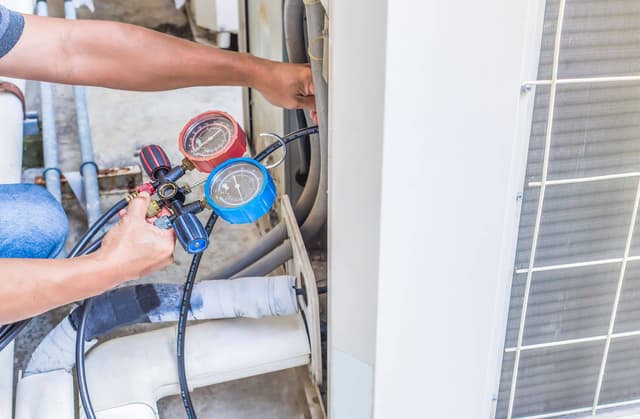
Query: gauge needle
(210, 138)
(238, 188)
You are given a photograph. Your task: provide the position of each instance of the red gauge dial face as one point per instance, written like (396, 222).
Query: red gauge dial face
(210, 139)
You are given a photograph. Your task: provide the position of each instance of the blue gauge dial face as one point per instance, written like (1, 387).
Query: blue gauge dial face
(208, 137)
(236, 185)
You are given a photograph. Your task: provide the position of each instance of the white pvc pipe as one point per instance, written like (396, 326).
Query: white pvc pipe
(127, 373)
(10, 172)
(11, 135)
(6, 382)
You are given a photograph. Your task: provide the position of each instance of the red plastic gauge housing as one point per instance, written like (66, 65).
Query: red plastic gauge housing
(210, 139)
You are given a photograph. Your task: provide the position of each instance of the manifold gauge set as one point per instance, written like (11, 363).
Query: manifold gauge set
(238, 189)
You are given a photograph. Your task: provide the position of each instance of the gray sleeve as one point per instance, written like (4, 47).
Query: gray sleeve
(11, 25)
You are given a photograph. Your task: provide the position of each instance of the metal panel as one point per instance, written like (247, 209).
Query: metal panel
(577, 270)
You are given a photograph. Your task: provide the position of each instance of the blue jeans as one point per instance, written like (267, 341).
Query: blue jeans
(32, 222)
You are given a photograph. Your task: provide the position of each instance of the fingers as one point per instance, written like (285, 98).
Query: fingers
(314, 116)
(306, 79)
(168, 234)
(138, 207)
(306, 102)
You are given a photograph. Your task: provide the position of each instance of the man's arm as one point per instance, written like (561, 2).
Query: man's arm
(127, 57)
(130, 250)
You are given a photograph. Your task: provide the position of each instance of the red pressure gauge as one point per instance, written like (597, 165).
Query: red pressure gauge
(212, 138)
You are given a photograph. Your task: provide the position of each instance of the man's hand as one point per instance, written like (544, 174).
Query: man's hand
(134, 247)
(287, 85)
(130, 250)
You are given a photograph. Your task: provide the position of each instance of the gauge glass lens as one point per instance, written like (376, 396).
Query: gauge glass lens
(207, 137)
(236, 185)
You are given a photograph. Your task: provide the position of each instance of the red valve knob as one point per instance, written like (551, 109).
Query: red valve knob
(154, 160)
(146, 187)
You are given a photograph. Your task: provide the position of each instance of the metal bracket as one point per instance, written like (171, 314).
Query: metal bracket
(117, 180)
(31, 124)
(300, 267)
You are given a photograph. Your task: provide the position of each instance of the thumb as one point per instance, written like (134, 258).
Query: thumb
(138, 207)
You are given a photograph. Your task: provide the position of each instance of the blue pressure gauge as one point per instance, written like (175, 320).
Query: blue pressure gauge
(240, 190)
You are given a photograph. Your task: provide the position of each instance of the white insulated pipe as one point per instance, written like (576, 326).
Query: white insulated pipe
(11, 136)
(129, 372)
(243, 297)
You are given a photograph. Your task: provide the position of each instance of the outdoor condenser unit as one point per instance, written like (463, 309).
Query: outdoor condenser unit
(573, 335)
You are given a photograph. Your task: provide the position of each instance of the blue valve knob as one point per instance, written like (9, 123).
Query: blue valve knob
(190, 233)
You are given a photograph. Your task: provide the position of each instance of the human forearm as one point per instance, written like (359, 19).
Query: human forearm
(128, 57)
(130, 250)
(121, 56)
(33, 286)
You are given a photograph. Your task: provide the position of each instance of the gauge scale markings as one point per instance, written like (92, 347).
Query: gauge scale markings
(236, 185)
(203, 142)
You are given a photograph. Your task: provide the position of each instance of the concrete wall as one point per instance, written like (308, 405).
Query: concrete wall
(427, 158)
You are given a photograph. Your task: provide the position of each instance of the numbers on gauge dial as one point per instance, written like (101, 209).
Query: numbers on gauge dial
(236, 185)
(208, 137)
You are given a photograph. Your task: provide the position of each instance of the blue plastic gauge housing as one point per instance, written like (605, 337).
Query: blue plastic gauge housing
(240, 190)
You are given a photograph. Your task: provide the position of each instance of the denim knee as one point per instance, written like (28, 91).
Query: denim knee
(32, 223)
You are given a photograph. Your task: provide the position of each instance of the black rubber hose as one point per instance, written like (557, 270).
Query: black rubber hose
(93, 246)
(304, 149)
(185, 306)
(296, 135)
(104, 219)
(10, 332)
(81, 375)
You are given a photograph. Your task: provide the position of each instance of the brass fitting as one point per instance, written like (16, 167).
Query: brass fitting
(130, 197)
(153, 209)
(187, 164)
